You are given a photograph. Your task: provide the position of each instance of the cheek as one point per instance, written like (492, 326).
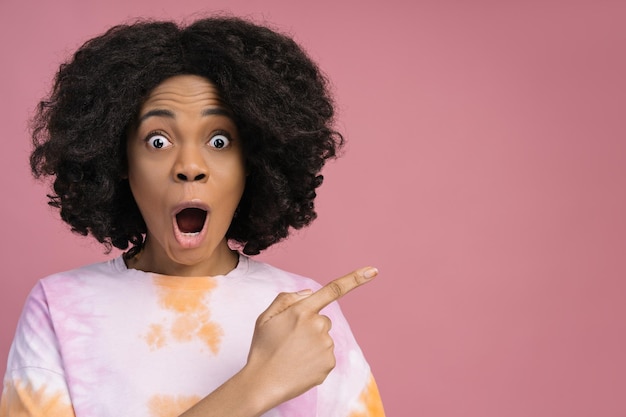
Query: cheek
(145, 174)
(145, 188)
(239, 185)
(231, 178)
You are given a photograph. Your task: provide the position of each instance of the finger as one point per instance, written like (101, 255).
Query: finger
(321, 323)
(328, 324)
(338, 288)
(282, 302)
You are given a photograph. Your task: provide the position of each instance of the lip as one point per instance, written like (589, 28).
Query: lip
(190, 240)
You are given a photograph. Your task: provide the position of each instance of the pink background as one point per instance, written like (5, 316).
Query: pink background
(485, 176)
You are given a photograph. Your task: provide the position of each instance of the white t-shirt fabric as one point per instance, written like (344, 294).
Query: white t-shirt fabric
(104, 340)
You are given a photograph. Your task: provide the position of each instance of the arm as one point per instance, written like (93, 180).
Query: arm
(291, 352)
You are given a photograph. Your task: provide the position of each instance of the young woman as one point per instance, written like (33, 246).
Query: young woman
(192, 147)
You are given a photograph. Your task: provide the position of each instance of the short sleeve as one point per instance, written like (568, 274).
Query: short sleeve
(368, 403)
(34, 384)
(350, 390)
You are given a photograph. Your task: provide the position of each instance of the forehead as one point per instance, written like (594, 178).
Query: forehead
(183, 92)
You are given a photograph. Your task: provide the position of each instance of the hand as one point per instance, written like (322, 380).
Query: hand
(291, 349)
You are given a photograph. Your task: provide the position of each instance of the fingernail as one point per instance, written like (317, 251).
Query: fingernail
(305, 292)
(370, 273)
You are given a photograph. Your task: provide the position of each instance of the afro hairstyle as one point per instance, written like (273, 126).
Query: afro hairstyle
(280, 103)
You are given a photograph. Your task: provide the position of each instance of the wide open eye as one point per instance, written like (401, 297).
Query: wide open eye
(158, 141)
(219, 141)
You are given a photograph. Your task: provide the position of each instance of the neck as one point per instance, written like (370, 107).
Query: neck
(222, 261)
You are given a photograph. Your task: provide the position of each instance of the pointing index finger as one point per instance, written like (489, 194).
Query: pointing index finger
(338, 288)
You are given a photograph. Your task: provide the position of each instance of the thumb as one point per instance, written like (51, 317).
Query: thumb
(282, 302)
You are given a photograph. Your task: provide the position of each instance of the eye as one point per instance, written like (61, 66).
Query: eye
(158, 141)
(219, 141)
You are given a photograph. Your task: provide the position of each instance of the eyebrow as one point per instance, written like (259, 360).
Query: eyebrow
(170, 114)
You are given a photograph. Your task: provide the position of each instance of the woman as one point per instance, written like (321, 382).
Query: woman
(192, 148)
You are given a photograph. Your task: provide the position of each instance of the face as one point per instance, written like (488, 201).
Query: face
(187, 173)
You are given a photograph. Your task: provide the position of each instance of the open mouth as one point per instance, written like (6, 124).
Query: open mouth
(191, 220)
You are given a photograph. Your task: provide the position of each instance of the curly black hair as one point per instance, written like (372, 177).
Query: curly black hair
(278, 96)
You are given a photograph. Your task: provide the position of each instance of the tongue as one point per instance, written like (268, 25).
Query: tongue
(191, 220)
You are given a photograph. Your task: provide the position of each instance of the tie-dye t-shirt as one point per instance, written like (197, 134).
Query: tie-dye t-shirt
(104, 340)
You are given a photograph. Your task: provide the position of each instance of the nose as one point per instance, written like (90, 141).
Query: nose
(190, 166)
(184, 177)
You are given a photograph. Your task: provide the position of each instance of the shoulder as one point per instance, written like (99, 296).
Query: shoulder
(86, 278)
(38, 302)
(262, 272)
(284, 281)
(112, 267)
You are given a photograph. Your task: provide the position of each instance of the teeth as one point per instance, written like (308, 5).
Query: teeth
(191, 234)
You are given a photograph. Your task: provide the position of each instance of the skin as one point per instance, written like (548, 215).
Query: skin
(174, 160)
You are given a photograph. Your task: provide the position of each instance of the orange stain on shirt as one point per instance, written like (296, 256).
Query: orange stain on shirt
(187, 297)
(211, 335)
(155, 336)
(184, 327)
(171, 405)
(370, 401)
(190, 317)
(20, 400)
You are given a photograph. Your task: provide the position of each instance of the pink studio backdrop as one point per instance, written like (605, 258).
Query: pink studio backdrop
(485, 177)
